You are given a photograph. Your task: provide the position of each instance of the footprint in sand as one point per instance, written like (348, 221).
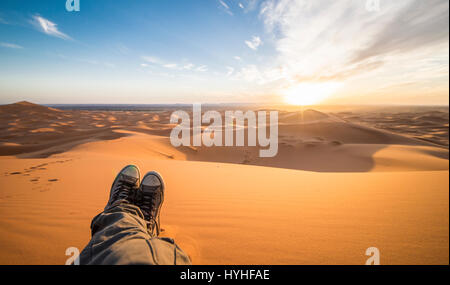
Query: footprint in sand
(53, 180)
(38, 167)
(311, 144)
(62, 161)
(336, 143)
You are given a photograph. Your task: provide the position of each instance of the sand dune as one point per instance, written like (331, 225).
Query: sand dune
(306, 139)
(334, 189)
(30, 108)
(430, 125)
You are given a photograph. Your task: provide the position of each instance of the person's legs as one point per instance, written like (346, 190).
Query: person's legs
(126, 231)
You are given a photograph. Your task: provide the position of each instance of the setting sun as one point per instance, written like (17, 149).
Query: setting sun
(309, 93)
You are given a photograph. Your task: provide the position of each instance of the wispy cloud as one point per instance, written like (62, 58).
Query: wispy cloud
(225, 7)
(254, 43)
(159, 62)
(230, 70)
(251, 73)
(152, 60)
(171, 65)
(202, 68)
(249, 5)
(224, 4)
(237, 57)
(188, 66)
(413, 27)
(48, 27)
(10, 45)
(348, 42)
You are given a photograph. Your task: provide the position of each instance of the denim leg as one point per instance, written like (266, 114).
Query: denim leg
(120, 236)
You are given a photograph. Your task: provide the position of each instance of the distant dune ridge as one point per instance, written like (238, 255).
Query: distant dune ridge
(35, 131)
(341, 182)
(30, 108)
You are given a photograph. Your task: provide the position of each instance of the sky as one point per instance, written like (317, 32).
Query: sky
(221, 51)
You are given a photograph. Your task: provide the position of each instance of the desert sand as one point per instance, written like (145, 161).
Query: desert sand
(343, 181)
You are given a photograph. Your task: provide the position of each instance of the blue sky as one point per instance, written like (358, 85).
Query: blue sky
(224, 51)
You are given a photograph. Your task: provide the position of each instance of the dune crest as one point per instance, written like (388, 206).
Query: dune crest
(26, 107)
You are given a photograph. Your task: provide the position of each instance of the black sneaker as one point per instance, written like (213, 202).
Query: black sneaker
(124, 186)
(151, 200)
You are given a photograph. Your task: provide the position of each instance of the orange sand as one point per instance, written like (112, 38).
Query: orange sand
(316, 202)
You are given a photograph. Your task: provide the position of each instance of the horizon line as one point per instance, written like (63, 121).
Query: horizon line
(223, 103)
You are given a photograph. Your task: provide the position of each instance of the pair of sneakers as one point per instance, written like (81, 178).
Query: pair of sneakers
(147, 194)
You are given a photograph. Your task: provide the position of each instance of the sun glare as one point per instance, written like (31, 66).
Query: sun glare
(309, 93)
